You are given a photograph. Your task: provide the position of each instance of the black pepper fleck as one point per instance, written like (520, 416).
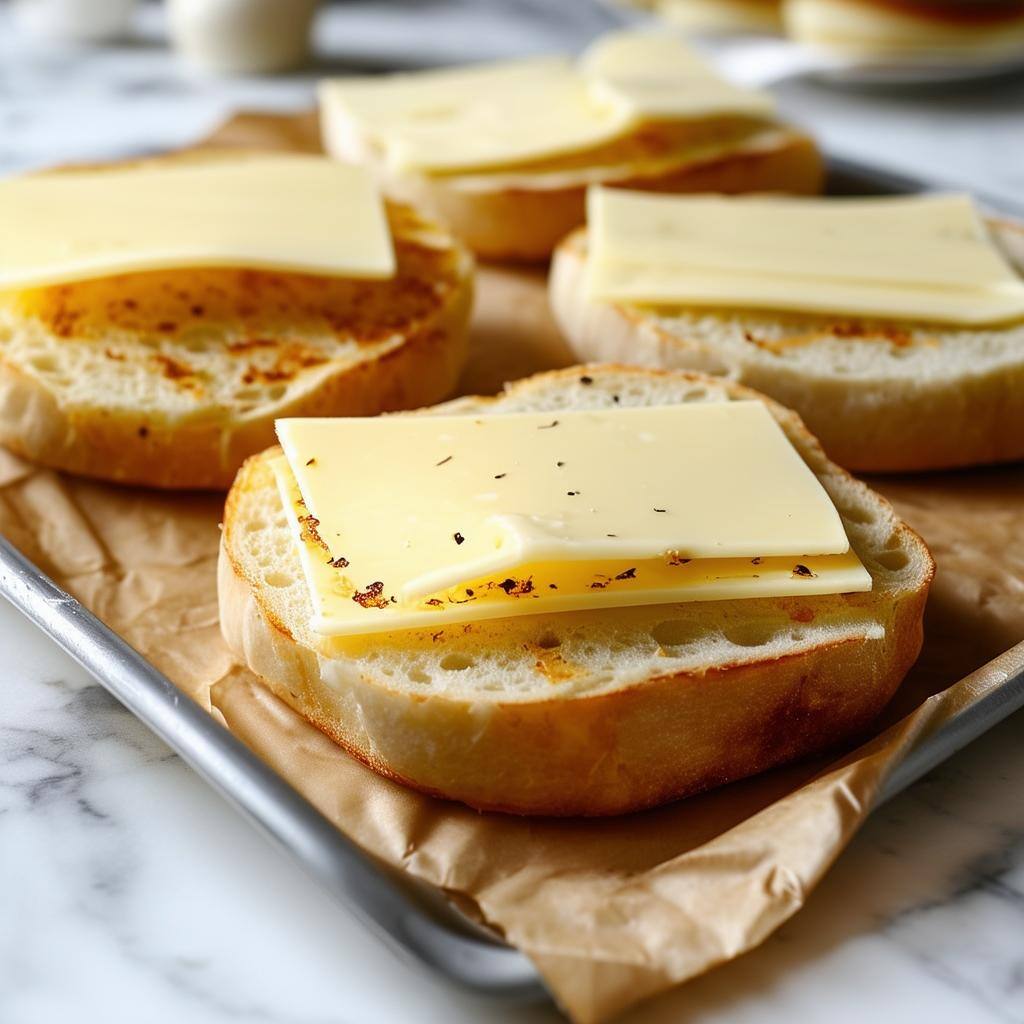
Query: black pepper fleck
(459, 539)
(548, 426)
(517, 588)
(447, 458)
(371, 596)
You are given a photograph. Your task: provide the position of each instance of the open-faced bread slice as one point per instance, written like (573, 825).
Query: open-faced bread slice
(503, 153)
(878, 395)
(522, 213)
(590, 712)
(172, 378)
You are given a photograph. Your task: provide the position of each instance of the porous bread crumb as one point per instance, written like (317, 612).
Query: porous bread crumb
(597, 650)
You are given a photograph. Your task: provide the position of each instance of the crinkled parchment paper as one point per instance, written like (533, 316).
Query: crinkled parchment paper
(611, 911)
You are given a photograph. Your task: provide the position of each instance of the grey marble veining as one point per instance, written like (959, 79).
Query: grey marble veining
(130, 893)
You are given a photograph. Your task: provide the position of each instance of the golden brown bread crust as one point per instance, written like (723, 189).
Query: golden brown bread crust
(400, 343)
(687, 732)
(607, 753)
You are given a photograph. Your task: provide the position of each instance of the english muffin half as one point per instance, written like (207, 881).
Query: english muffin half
(171, 378)
(597, 712)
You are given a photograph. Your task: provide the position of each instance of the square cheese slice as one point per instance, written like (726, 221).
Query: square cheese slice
(507, 113)
(655, 76)
(919, 258)
(474, 118)
(412, 521)
(299, 214)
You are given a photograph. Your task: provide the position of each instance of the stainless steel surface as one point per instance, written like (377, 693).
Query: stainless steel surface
(956, 734)
(417, 925)
(264, 798)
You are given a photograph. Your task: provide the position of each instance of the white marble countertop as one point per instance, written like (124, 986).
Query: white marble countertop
(130, 892)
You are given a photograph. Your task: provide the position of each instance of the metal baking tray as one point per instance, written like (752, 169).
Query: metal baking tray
(412, 918)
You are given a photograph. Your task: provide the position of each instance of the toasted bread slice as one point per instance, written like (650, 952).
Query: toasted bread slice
(879, 396)
(521, 213)
(172, 378)
(588, 713)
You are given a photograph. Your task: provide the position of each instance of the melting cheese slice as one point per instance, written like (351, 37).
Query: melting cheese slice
(299, 214)
(920, 258)
(415, 521)
(512, 112)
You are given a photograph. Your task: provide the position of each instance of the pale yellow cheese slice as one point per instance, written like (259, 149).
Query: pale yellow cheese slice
(927, 258)
(413, 521)
(476, 117)
(301, 214)
(654, 76)
(511, 112)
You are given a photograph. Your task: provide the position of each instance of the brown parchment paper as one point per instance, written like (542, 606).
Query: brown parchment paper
(611, 911)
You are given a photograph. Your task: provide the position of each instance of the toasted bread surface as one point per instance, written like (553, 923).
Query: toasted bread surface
(522, 212)
(172, 378)
(589, 713)
(880, 396)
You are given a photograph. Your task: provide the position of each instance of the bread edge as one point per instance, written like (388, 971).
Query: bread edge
(523, 222)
